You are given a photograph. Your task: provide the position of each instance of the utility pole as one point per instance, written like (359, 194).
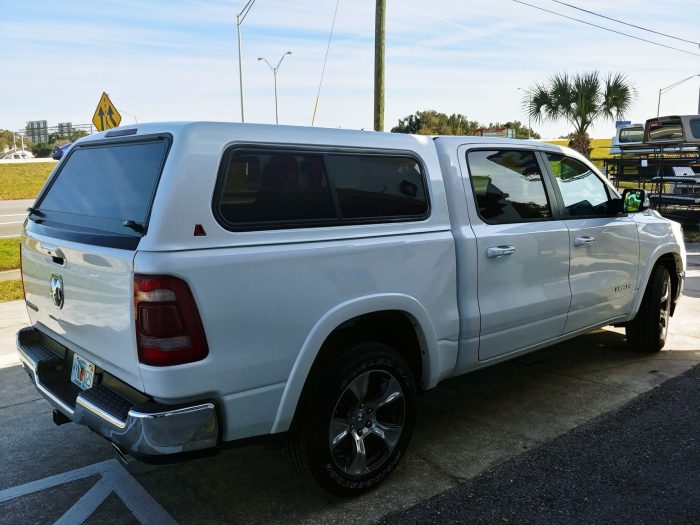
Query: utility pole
(379, 23)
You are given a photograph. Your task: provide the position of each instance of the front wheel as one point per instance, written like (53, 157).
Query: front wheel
(355, 425)
(648, 330)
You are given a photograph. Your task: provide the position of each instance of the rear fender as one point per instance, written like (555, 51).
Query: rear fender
(336, 317)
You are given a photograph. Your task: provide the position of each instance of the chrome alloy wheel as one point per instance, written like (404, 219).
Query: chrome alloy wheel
(367, 422)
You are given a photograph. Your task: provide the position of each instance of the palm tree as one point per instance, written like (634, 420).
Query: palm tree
(580, 99)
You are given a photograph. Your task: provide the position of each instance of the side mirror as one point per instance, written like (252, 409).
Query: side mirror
(635, 200)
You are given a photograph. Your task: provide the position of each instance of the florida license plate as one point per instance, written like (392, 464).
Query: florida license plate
(83, 372)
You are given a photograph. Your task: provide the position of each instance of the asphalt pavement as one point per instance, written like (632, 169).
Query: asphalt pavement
(636, 464)
(12, 215)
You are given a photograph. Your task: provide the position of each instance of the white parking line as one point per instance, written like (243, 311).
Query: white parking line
(15, 215)
(114, 479)
(11, 222)
(8, 236)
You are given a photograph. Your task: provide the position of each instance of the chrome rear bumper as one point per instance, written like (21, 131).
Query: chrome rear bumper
(142, 428)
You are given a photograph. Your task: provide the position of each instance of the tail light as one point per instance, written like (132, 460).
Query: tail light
(169, 330)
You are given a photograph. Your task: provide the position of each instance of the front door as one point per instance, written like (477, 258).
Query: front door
(604, 245)
(523, 251)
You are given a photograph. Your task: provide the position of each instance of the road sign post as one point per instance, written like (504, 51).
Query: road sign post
(106, 115)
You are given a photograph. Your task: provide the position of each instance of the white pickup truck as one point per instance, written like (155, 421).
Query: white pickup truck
(194, 284)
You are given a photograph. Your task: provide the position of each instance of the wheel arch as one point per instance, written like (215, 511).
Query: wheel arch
(672, 259)
(316, 347)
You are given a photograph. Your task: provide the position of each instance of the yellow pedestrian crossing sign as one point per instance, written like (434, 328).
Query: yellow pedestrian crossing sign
(106, 115)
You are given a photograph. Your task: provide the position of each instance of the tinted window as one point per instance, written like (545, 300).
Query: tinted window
(375, 186)
(108, 182)
(664, 130)
(695, 127)
(276, 187)
(631, 135)
(508, 186)
(583, 192)
(267, 189)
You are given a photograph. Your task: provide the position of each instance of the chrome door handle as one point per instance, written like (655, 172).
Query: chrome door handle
(586, 240)
(499, 251)
(53, 251)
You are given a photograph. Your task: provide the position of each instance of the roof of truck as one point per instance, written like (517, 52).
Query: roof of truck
(292, 134)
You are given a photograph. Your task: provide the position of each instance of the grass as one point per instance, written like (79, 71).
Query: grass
(9, 254)
(10, 290)
(23, 181)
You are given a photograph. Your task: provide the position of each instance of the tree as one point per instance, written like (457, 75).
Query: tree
(580, 99)
(431, 122)
(520, 130)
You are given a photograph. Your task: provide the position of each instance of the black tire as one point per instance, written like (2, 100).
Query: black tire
(648, 330)
(332, 409)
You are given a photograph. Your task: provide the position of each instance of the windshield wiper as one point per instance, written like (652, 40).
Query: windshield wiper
(34, 211)
(136, 226)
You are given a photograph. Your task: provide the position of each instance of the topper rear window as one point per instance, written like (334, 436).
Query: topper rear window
(100, 186)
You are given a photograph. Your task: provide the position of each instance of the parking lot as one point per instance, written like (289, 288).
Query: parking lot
(69, 475)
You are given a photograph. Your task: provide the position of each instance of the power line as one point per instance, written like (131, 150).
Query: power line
(323, 71)
(626, 23)
(608, 29)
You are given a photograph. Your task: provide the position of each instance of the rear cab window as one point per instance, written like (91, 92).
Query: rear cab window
(107, 187)
(265, 188)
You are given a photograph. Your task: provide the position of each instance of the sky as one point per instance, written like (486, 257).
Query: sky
(164, 60)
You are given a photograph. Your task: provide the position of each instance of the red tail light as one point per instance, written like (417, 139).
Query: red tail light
(169, 330)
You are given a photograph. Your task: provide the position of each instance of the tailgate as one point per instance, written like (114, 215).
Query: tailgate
(84, 295)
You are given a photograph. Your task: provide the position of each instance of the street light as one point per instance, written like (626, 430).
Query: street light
(529, 103)
(274, 74)
(239, 20)
(669, 88)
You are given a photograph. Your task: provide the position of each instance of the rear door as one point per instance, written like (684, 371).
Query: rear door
(78, 247)
(604, 244)
(523, 250)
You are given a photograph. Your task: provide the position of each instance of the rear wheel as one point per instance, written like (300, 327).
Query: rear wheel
(356, 423)
(648, 330)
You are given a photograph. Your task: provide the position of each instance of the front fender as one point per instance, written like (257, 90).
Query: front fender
(647, 267)
(336, 317)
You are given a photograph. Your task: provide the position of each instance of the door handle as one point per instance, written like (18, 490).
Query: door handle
(586, 240)
(499, 251)
(54, 252)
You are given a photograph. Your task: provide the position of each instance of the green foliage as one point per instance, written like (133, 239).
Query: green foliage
(518, 127)
(6, 139)
(580, 99)
(56, 139)
(41, 149)
(431, 122)
(9, 254)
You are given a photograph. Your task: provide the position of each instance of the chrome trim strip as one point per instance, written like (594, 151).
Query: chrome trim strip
(100, 413)
(167, 413)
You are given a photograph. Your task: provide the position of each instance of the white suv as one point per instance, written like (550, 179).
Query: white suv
(191, 284)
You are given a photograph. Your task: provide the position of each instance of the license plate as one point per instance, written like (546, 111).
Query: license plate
(83, 372)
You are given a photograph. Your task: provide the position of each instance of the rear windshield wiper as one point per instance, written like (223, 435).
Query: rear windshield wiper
(136, 226)
(34, 211)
